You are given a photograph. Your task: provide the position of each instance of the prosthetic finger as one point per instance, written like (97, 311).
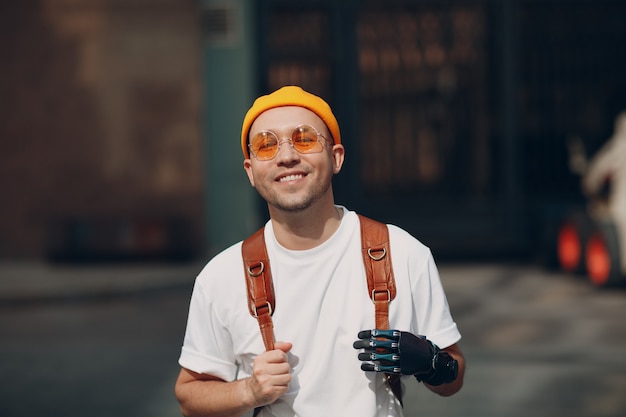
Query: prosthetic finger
(373, 356)
(387, 334)
(371, 344)
(373, 367)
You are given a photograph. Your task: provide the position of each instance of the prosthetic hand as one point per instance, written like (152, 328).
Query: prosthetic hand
(396, 352)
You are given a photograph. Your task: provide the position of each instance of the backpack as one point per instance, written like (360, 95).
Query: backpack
(378, 270)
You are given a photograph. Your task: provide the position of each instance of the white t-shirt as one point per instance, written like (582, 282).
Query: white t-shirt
(322, 302)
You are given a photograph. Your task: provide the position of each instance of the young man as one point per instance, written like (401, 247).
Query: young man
(292, 148)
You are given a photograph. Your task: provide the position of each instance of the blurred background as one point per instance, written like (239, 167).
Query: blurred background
(119, 146)
(120, 119)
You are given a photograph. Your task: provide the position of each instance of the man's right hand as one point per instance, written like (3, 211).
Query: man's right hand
(271, 375)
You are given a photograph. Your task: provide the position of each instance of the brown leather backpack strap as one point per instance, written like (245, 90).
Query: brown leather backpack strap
(377, 260)
(259, 284)
(381, 284)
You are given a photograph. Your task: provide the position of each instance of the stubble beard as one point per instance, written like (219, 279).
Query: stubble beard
(295, 203)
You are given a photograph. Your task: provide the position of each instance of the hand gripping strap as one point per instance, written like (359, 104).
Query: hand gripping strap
(381, 284)
(258, 274)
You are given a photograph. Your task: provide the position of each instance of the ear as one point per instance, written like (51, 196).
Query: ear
(247, 165)
(338, 153)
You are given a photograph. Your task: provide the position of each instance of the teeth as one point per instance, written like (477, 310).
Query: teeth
(290, 178)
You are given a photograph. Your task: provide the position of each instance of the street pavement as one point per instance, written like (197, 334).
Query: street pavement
(537, 343)
(103, 340)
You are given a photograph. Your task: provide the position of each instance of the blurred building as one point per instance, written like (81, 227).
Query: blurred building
(100, 136)
(118, 116)
(456, 115)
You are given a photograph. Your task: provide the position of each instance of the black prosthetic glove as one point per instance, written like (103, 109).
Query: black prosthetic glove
(393, 351)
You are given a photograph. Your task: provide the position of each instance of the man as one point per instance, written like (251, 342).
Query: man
(292, 148)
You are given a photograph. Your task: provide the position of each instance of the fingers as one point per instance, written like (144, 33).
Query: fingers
(374, 367)
(362, 344)
(365, 334)
(368, 367)
(373, 356)
(284, 346)
(380, 350)
(380, 362)
(371, 344)
(388, 334)
(378, 339)
(274, 362)
(271, 374)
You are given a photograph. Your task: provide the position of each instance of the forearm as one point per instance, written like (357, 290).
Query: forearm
(453, 387)
(203, 397)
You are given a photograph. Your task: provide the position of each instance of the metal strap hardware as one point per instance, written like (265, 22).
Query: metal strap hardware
(371, 251)
(260, 266)
(269, 308)
(375, 299)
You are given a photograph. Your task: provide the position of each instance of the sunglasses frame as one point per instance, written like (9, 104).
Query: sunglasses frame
(291, 142)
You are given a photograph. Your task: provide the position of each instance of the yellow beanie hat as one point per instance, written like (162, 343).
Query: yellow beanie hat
(289, 96)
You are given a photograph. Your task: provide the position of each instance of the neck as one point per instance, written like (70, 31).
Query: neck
(305, 229)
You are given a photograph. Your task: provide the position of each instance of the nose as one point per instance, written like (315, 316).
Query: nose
(281, 141)
(286, 153)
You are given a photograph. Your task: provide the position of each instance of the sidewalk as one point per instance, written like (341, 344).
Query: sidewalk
(27, 282)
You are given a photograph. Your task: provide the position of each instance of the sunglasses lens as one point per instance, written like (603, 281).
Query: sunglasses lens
(264, 145)
(304, 139)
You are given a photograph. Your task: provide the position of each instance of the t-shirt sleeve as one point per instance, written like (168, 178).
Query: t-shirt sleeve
(433, 312)
(207, 346)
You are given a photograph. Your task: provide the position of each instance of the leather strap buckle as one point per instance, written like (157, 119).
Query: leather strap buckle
(269, 307)
(374, 292)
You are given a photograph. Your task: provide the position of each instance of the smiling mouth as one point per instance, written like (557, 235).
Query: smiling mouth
(290, 178)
